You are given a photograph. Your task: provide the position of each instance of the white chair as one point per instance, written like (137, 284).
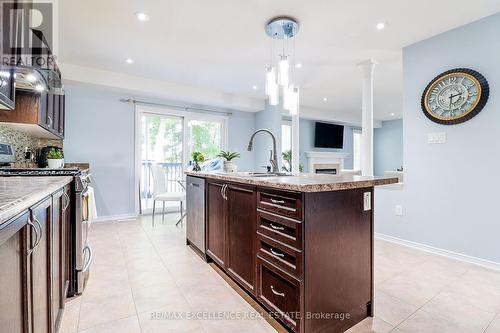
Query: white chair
(160, 191)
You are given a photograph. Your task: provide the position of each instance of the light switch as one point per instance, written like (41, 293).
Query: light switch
(399, 210)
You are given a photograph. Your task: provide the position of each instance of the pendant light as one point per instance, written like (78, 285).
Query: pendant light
(281, 29)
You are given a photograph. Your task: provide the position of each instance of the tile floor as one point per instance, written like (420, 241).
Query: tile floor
(140, 275)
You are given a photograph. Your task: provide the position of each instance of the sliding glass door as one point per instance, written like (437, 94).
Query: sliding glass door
(165, 142)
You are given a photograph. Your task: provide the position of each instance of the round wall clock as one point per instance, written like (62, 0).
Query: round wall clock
(455, 96)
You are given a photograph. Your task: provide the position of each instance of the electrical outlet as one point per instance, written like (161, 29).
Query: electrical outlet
(436, 138)
(398, 210)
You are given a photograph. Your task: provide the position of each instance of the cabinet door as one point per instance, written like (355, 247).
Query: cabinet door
(216, 215)
(62, 114)
(65, 242)
(13, 252)
(47, 115)
(242, 217)
(55, 120)
(40, 272)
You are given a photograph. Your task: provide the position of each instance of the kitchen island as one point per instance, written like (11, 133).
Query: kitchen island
(301, 245)
(34, 252)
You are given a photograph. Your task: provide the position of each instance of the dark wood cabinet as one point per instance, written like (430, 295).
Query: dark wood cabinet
(42, 110)
(241, 221)
(216, 225)
(34, 247)
(13, 255)
(40, 268)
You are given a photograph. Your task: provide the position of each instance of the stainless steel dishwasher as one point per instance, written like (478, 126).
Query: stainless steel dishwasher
(195, 212)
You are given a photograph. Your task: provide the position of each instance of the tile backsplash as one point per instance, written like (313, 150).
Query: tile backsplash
(20, 140)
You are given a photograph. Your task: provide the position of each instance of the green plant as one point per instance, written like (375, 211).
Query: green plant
(55, 154)
(228, 155)
(287, 157)
(197, 156)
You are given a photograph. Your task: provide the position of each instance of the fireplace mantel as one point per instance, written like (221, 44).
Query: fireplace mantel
(325, 158)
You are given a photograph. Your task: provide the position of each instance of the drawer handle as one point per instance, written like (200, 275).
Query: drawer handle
(274, 201)
(276, 227)
(276, 292)
(276, 254)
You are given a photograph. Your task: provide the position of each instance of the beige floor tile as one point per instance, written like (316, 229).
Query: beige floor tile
(103, 310)
(467, 290)
(164, 321)
(71, 315)
(385, 268)
(126, 325)
(159, 296)
(424, 322)
(494, 326)
(448, 306)
(149, 277)
(106, 281)
(371, 325)
(392, 309)
(231, 326)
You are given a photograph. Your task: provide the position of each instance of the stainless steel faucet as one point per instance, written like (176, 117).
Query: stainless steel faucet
(273, 159)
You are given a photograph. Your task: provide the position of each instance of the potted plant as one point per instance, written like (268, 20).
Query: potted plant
(228, 156)
(197, 158)
(55, 158)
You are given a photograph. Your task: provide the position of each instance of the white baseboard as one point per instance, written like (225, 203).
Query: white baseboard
(114, 218)
(441, 252)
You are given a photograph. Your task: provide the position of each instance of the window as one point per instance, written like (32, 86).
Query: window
(356, 151)
(206, 137)
(286, 143)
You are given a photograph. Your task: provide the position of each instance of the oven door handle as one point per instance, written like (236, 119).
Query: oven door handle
(88, 249)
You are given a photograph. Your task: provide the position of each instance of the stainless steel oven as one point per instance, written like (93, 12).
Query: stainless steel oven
(83, 250)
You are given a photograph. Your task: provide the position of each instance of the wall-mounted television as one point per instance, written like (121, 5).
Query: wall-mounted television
(328, 136)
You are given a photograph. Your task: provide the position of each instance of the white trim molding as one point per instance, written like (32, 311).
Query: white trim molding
(441, 252)
(115, 218)
(322, 157)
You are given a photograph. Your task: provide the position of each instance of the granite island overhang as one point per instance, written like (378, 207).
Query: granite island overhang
(300, 245)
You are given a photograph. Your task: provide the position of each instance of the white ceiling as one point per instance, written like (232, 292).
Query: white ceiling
(221, 44)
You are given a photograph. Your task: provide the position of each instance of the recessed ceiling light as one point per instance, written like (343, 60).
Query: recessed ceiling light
(31, 78)
(393, 114)
(143, 17)
(299, 65)
(254, 87)
(325, 99)
(129, 61)
(380, 26)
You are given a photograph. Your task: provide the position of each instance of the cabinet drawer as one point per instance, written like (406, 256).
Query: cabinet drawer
(286, 258)
(280, 228)
(280, 202)
(280, 293)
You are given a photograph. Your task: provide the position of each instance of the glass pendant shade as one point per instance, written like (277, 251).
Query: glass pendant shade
(274, 96)
(287, 97)
(270, 81)
(283, 69)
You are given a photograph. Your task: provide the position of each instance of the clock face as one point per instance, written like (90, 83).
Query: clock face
(455, 96)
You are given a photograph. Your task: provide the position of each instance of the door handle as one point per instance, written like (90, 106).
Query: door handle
(89, 261)
(225, 192)
(277, 293)
(41, 230)
(36, 235)
(67, 200)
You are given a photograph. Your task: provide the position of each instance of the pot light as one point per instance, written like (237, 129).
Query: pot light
(299, 65)
(393, 114)
(129, 61)
(31, 78)
(325, 99)
(380, 26)
(254, 87)
(143, 17)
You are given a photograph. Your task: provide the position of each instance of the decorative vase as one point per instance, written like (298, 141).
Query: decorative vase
(229, 166)
(55, 163)
(196, 167)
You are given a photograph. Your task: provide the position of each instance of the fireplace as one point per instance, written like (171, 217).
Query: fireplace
(331, 171)
(325, 162)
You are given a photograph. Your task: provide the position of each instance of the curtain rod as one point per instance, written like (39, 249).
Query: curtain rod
(183, 108)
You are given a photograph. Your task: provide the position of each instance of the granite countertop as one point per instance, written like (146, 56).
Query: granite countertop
(305, 182)
(20, 193)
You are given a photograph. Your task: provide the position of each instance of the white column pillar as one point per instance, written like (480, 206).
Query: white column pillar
(295, 143)
(367, 117)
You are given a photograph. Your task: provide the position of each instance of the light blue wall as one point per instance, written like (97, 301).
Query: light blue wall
(450, 196)
(269, 118)
(100, 130)
(388, 146)
(306, 143)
